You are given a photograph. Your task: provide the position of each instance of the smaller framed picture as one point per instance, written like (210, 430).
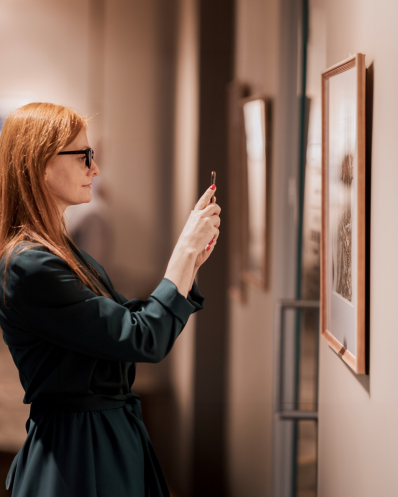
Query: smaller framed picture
(343, 232)
(257, 133)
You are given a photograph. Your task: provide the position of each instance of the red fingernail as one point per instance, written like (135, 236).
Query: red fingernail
(212, 187)
(211, 242)
(208, 247)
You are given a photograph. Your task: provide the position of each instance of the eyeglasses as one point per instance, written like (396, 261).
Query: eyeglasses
(89, 153)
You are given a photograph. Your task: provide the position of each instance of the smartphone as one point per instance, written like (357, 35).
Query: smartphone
(213, 182)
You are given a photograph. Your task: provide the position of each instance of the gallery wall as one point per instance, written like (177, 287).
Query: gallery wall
(44, 59)
(266, 52)
(139, 82)
(250, 363)
(358, 431)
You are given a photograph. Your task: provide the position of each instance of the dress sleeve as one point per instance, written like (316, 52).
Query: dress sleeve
(196, 298)
(49, 301)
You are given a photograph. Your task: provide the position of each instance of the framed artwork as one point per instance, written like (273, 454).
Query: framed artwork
(236, 90)
(255, 181)
(343, 240)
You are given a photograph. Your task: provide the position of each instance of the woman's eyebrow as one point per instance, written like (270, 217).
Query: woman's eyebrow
(82, 149)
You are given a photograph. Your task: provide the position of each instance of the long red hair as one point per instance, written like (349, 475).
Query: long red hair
(31, 136)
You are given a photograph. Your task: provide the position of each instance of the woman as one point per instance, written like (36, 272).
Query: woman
(74, 339)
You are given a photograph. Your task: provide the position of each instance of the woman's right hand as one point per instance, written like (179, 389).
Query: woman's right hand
(202, 225)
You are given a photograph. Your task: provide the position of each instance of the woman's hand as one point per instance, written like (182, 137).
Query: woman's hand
(205, 254)
(201, 231)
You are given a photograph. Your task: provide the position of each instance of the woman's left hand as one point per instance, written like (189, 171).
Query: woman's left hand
(205, 254)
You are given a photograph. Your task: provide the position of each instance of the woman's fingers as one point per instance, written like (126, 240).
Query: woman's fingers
(211, 245)
(214, 239)
(205, 199)
(216, 235)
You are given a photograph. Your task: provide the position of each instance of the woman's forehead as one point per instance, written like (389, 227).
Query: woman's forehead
(79, 143)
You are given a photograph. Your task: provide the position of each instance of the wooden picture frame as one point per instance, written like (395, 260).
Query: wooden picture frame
(236, 90)
(343, 231)
(256, 112)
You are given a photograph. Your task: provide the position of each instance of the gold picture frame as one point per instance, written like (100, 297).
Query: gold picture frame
(343, 230)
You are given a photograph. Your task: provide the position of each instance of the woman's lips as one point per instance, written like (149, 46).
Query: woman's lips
(87, 186)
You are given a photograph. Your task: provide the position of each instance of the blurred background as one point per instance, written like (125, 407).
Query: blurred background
(248, 403)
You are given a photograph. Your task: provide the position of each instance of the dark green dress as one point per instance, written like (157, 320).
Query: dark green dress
(76, 354)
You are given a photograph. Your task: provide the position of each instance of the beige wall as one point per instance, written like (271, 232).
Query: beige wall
(358, 437)
(132, 133)
(44, 59)
(251, 324)
(138, 130)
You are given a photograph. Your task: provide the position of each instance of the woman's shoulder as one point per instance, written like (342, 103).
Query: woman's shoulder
(27, 270)
(29, 257)
(25, 249)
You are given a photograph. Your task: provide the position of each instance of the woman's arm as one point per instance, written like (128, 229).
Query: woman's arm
(181, 267)
(45, 298)
(193, 277)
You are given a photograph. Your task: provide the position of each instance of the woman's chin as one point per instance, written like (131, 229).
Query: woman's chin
(84, 199)
(87, 197)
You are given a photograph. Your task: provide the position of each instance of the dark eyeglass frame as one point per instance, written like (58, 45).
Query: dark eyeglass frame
(89, 153)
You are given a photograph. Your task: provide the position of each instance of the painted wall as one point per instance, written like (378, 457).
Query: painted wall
(138, 129)
(44, 59)
(251, 331)
(266, 51)
(358, 431)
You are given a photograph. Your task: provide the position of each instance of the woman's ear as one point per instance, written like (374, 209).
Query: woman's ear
(45, 172)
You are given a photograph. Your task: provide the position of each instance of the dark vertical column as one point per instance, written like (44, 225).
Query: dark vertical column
(216, 32)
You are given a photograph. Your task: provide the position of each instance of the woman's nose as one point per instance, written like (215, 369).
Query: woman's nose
(94, 169)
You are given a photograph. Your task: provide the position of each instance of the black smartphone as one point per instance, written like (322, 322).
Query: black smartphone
(213, 182)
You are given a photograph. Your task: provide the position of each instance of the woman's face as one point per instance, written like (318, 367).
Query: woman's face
(68, 177)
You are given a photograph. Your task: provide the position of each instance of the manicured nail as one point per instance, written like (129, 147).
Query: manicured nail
(212, 187)
(208, 247)
(211, 242)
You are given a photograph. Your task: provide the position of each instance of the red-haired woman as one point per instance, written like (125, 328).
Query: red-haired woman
(73, 338)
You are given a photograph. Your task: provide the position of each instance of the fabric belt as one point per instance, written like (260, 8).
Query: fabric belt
(155, 483)
(84, 402)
